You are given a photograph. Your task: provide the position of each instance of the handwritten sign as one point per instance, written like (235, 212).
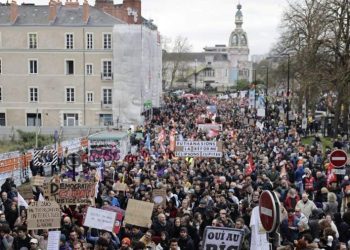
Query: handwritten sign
(38, 180)
(119, 216)
(53, 241)
(26, 191)
(72, 193)
(138, 213)
(159, 196)
(44, 215)
(198, 149)
(120, 186)
(100, 219)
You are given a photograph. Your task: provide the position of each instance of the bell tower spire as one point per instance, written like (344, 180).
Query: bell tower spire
(239, 16)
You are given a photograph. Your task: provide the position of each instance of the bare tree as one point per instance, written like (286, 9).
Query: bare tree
(175, 64)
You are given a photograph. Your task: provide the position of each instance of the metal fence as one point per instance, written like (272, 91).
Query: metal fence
(65, 133)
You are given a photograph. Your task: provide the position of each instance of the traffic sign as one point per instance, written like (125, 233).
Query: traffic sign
(338, 158)
(73, 160)
(269, 211)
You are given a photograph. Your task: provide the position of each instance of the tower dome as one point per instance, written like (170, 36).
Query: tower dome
(238, 37)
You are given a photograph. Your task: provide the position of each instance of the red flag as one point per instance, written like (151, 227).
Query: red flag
(251, 165)
(172, 140)
(331, 177)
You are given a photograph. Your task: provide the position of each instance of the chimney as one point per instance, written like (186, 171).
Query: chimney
(52, 11)
(85, 11)
(13, 11)
(133, 8)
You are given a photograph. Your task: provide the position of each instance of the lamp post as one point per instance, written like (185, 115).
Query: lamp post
(195, 75)
(266, 88)
(288, 81)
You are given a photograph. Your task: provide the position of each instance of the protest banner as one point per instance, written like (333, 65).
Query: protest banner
(26, 191)
(208, 126)
(44, 215)
(72, 193)
(198, 149)
(159, 196)
(120, 186)
(53, 241)
(38, 180)
(100, 219)
(118, 219)
(222, 238)
(138, 213)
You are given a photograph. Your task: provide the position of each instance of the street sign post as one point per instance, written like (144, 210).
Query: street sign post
(338, 158)
(269, 211)
(73, 160)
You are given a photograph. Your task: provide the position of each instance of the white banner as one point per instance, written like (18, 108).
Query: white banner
(53, 241)
(222, 238)
(208, 126)
(100, 219)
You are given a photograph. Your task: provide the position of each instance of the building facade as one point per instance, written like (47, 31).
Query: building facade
(57, 62)
(218, 66)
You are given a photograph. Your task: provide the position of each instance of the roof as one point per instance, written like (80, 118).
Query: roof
(199, 56)
(38, 15)
(113, 135)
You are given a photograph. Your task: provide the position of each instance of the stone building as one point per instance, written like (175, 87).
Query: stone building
(218, 66)
(57, 62)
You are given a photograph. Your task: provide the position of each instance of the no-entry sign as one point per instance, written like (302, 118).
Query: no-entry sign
(338, 158)
(269, 211)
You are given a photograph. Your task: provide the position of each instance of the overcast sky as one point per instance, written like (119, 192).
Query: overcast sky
(210, 22)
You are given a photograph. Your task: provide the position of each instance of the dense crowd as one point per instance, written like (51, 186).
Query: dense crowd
(258, 154)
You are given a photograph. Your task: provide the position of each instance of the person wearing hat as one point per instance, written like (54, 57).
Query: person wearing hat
(34, 244)
(185, 241)
(125, 244)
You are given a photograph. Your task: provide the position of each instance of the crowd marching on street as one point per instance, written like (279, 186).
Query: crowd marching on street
(258, 153)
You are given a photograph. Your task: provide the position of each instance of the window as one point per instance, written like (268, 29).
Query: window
(107, 40)
(32, 41)
(33, 119)
(209, 73)
(106, 120)
(70, 120)
(89, 69)
(69, 67)
(107, 70)
(33, 66)
(2, 119)
(90, 97)
(0, 94)
(89, 41)
(0, 65)
(107, 96)
(69, 94)
(33, 94)
(69, 41)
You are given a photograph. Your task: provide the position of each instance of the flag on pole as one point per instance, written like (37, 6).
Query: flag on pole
(148, 141)
(22, 202)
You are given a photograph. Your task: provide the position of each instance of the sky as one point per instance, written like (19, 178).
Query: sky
(209, 22)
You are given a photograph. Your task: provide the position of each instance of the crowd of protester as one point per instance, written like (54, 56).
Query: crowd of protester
(258, 154)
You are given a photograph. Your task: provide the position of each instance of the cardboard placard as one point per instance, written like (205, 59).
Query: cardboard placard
(208, 126)
(229, 237)
(44, 215)
(72, 193)
(100, 219)
(26, 191)
(118, 186)
(159, 196)
(53, 241)
(37, 180)
(198, 149)
(138, 213)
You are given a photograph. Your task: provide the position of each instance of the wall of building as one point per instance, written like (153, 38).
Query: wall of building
(51, 79)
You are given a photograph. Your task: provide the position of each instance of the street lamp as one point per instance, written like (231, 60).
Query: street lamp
(195, 75)
(266, 87)
(288, 80)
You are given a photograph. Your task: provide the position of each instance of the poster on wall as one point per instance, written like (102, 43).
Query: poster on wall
(106, 150)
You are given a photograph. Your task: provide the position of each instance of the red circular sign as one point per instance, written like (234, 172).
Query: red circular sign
(267, 211)
(338, 158)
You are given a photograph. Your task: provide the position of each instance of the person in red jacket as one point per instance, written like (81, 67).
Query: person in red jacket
(291, 199)
(308, 181)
